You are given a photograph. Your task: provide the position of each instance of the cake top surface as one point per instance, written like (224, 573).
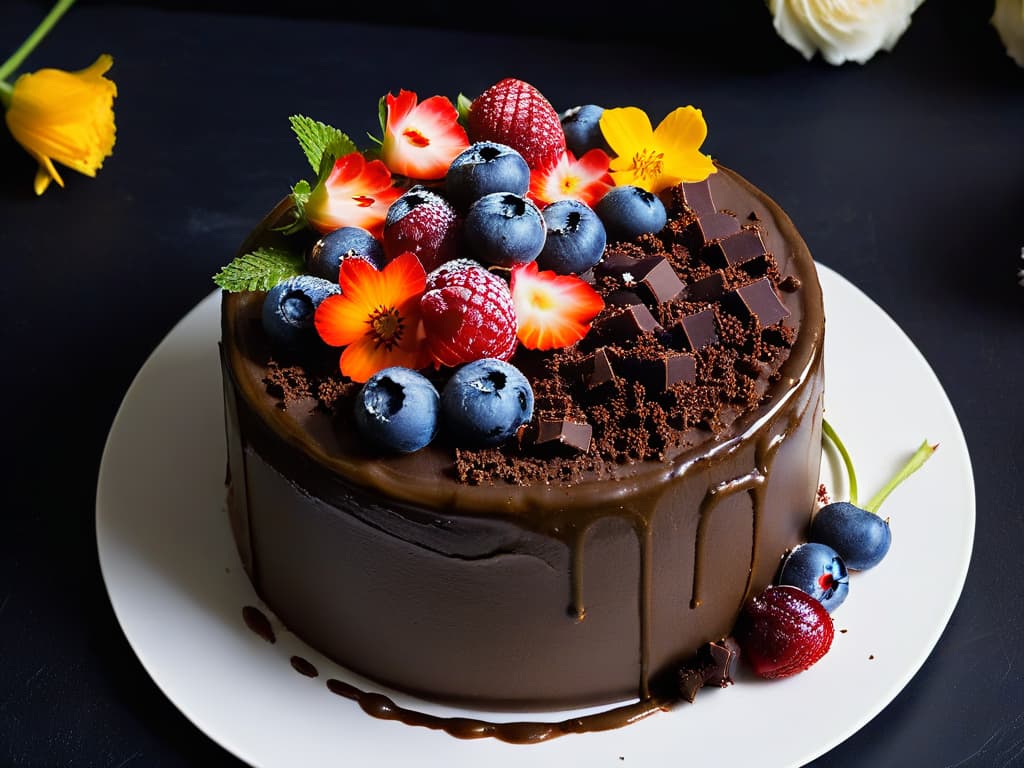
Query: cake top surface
(600, 314)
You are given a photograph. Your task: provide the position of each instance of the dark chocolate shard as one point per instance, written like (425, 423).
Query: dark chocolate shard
(697, 197)
(737, 248)
(622, 297)
(708, 228)
(573, 434)
(757, 299)
(654, 275)
(596, 369)
(713, 664)
(626, 325)
(695, 331)
(710, 288)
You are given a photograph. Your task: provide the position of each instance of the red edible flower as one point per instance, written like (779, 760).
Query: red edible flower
(421, 140)
(356, 193)
(585, 179)
(552, 310)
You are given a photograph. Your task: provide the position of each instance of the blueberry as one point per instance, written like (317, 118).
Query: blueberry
(327, 253)
(819, 571)
(397, 409)
(582, 128)
(575, 238)
(505, 229)
(628, 212)
(485, 402)
(861, 537)
(289, 306)
(483, 168)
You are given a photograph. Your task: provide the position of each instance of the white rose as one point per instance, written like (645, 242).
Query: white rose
(1008, 19)
(842, 30)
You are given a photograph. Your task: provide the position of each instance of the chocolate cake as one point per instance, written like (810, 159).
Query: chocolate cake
(603, 552)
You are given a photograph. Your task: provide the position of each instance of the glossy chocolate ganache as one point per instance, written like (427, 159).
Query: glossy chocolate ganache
(672, 459)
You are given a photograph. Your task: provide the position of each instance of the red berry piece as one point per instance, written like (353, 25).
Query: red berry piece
(783, 631)
(468, 314)
(425, 223)
(516, 114)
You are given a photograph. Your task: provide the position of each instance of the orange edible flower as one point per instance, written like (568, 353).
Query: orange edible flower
(376, 317)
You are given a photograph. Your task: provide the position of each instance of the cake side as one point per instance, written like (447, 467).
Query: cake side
(534, 595)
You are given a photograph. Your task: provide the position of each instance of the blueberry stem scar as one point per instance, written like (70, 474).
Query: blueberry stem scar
(847, 461)
(914, 463)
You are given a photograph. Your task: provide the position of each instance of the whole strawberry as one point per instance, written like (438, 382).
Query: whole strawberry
(425, 223)
(467, 314)
(516, 114)
(783, 631)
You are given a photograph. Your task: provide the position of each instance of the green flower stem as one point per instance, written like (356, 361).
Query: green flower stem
(6, 89)
(921, 455)
(847, 461)
(12, 64)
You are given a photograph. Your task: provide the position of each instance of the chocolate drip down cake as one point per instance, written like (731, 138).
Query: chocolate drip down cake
(536, 476)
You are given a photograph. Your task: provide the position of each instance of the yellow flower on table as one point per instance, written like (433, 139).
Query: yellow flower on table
(656, 158)
(64, 117)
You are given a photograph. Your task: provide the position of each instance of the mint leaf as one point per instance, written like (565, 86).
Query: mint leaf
(319, 140)
(259, 270)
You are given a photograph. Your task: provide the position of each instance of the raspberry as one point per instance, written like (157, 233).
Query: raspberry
(516, 114)
(468, 314)
(425, 223)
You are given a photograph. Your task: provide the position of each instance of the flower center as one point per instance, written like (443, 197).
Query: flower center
(647, 163)
(570, 184)
(416, 138)
(386, 327)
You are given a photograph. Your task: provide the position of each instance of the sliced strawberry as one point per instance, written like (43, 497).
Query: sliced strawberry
(552, 310)
(514, 113)
(585, 179)
(421, 140)
(783, 631)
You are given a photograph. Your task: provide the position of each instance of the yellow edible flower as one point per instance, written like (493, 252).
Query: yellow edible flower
(658, 158)
(64, 117)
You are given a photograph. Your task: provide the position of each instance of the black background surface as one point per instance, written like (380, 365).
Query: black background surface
(906, 175)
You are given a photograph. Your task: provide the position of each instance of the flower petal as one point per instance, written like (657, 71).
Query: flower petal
(626, 129)
(66, 117)
(340, 321)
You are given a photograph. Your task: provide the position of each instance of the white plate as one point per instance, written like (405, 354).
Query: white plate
(178, 588)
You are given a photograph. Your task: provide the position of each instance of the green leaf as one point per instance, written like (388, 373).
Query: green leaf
(319, 140)
(382, 115)
(259, 270)
(462, 105)
(300, 196)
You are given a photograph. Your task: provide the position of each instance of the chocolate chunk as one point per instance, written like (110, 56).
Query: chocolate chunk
(758, 299)
(697, 197)
(695, 331)
(630, 323)
(622, 298)
(710, 288)
(573, 434)
(710, 227)
(721, 658)
(596, 368)
(735, 249)
(654, 275)
(790, 284)
(673, 368)
(713, 664)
